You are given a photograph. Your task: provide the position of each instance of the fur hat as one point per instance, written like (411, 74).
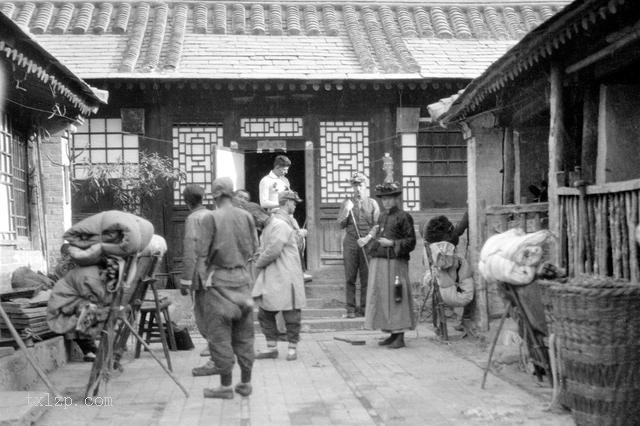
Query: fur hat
(388, 189)
(439, 229)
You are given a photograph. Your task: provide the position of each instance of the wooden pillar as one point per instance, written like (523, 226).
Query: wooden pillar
(508, 167)
(517, 169)
(313, 249)
(590, 133)
(556, 150)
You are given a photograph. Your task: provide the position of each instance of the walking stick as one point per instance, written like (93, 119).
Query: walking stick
(493, 346)
(355, 224)
(28, 354)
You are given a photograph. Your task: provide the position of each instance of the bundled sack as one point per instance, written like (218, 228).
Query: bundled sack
(513, 256)
(111, 233)
(24, 277)
(452, 273)
(72, 295)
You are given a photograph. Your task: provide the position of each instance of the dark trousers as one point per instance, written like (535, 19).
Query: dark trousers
(354, 263)
(227, 338)
(292, 321)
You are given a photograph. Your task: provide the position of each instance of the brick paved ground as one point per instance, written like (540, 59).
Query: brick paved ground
(332, 382)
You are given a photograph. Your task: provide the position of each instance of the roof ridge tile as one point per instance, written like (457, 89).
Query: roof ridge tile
(176, 42)
(377, 39)
(358, 40)
(258, 26)
(311, 20)
(440, 22)
(200, 17)
(423, 19)
(330, 20)
(83, 18)
(25, 14)
(157, 37)
(103, 18)
(63, 19)
(43, 18)
(219, 19)
(136, 37)
(122, 18)
(293, 20)
(238, 19)
(275, 20)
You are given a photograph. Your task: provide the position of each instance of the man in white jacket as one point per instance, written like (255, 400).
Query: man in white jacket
(279, 284)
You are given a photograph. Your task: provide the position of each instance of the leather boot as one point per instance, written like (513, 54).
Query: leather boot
(388, 340)
(398, 342)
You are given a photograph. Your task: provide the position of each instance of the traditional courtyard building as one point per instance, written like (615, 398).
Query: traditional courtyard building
(40, 99)
(222, 87)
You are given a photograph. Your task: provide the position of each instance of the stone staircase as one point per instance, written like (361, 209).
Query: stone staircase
(325, 302)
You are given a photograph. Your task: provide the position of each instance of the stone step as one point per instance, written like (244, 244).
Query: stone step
(309, 313)
(325, 291)
(326, 324)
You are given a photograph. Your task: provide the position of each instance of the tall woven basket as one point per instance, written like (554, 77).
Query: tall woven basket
(596, 321)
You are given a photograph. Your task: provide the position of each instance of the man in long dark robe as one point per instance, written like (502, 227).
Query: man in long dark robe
(223, 305)
(389, 300)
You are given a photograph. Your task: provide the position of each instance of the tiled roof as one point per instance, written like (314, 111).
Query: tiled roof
(293, 40)
(539, 46)
(27, 54)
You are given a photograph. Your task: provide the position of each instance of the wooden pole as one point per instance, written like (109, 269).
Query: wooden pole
(556, 147)
(30, 358)
(493, 346)
(590, 133)
(632, 222)
(508, 168)
(146, 346)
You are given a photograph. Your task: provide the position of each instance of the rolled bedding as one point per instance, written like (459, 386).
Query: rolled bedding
(112, 232)
(499, 269)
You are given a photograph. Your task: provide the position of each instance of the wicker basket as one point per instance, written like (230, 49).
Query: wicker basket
(596, 321)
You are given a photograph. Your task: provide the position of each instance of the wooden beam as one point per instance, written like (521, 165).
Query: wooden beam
(556, 148)
(590, 133)
(605, 51)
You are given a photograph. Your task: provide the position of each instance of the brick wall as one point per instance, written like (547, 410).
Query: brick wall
(56, 191)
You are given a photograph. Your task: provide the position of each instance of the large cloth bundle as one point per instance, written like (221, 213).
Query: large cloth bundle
(513, 256)
(73, 293)
(110, 233)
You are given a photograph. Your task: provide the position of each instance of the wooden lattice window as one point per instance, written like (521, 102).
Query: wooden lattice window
(271, 127)
(102, 141)
(14, 185)
(193, 148)
(344, 149)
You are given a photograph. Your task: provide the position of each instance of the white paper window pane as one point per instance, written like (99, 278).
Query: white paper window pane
(114, 125)
(5, 218)
(82, 157)
(130, 141)
(83, 128)
(80, 141)
(130, 156)
(98, 156)
(98, 141)
(409, 154)
(114, 141)
(114, 156)
(97, 125)
(409, 139)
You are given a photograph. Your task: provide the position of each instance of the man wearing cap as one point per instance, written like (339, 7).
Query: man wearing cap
(222, 303)
(358, 214)
(197, 237)
(279, 285)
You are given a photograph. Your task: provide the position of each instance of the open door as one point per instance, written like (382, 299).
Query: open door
(230, 163)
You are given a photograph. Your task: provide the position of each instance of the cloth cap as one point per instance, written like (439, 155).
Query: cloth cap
(388, 189)
(222, 186)
(356, 178)
(289, 195)
(193, 190)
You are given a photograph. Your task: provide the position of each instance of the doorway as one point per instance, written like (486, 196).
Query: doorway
(258, 165)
